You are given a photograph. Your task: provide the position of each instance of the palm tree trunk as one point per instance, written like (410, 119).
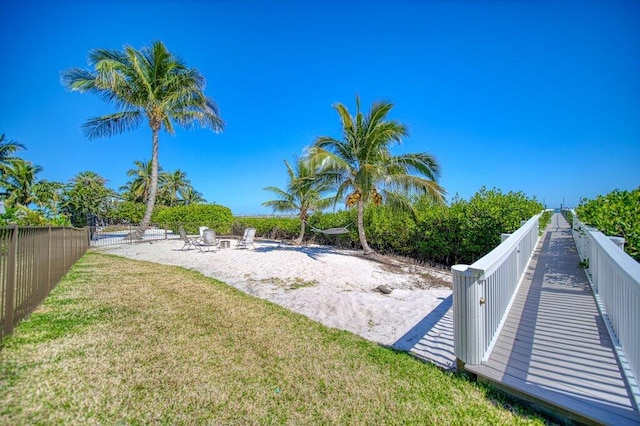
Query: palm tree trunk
(363, 238)
(153, 191)
(298, 240)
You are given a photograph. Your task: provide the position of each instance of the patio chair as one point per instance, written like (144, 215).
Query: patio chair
(188, 242)
(209, 240)
(249, 235)
(201, 231)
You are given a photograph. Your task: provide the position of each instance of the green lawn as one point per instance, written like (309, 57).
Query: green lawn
(123, 341)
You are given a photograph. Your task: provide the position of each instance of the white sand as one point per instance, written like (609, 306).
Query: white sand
(334, 287)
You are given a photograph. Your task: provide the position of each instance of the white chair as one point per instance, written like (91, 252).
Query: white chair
(209, 240)
(249, 235)
(188, 242)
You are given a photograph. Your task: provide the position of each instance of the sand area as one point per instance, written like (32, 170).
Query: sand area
(339, 288)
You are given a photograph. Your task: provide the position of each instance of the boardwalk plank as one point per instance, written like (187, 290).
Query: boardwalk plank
(588, 411)
(554, 347)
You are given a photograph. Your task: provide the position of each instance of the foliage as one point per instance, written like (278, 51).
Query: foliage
(127, 212)
(305, 193)
(48, 196)
(191, 217)
(615, 214)
(86, 198)
(190, 196)
(137, 189)
(23, 216)
(339, 219)
(544, 220)
(441, 232)
(7, 150)
(173, 187)
(19, 179)
(468, 230)
(462, 232)
(363, 170)
(280, 228)
(390, 231)
(148, 84)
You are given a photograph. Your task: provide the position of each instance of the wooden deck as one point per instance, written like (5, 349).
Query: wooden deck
(554, 349)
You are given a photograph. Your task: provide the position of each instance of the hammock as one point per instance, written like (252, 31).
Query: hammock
(332, 231)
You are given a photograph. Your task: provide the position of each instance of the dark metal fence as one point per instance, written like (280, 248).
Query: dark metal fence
(32, 262)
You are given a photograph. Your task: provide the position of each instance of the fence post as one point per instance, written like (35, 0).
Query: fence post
(12, 255)
(468, 321)
(64, 246)
(49, 262)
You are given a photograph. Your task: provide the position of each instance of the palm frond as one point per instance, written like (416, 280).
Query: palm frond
(112, 124)
(421, 163)
(398, 202)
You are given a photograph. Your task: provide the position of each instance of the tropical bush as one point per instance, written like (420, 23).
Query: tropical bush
(462, 232)
(467, 230)
(23, 216)
(214, 216)
(127, 212)
(340, 219)
(282, 228)
(615, 214)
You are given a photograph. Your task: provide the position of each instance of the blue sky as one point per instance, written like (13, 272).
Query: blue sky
(535, 96)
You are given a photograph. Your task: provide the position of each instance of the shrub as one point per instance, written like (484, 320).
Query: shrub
(281, 228)
(127, 212)
(390, 231)
(191, 217)
(615, 214)
(462, 232)
(467, 230)
(339, 219)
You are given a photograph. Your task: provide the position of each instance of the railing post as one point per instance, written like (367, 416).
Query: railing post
(618, 241)
(9, 301)
(468, 321)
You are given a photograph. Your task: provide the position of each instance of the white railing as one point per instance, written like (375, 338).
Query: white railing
(484, 291)
(615, 279)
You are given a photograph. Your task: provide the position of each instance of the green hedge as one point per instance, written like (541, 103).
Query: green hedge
(467, 230)
(615, 214)
(462, 232)
(339, 219)
(280, 228)
(191, 217)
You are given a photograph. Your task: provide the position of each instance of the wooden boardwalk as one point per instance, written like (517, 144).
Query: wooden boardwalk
(554, 348)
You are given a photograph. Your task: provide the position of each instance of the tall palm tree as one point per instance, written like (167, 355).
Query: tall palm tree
(190, 196)
(173, 183)
(149, 84)
(137, 189)
(48, 195)
(87, 197)
(304, 194)
(363, 169)
(7, 149)
(19, 180)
